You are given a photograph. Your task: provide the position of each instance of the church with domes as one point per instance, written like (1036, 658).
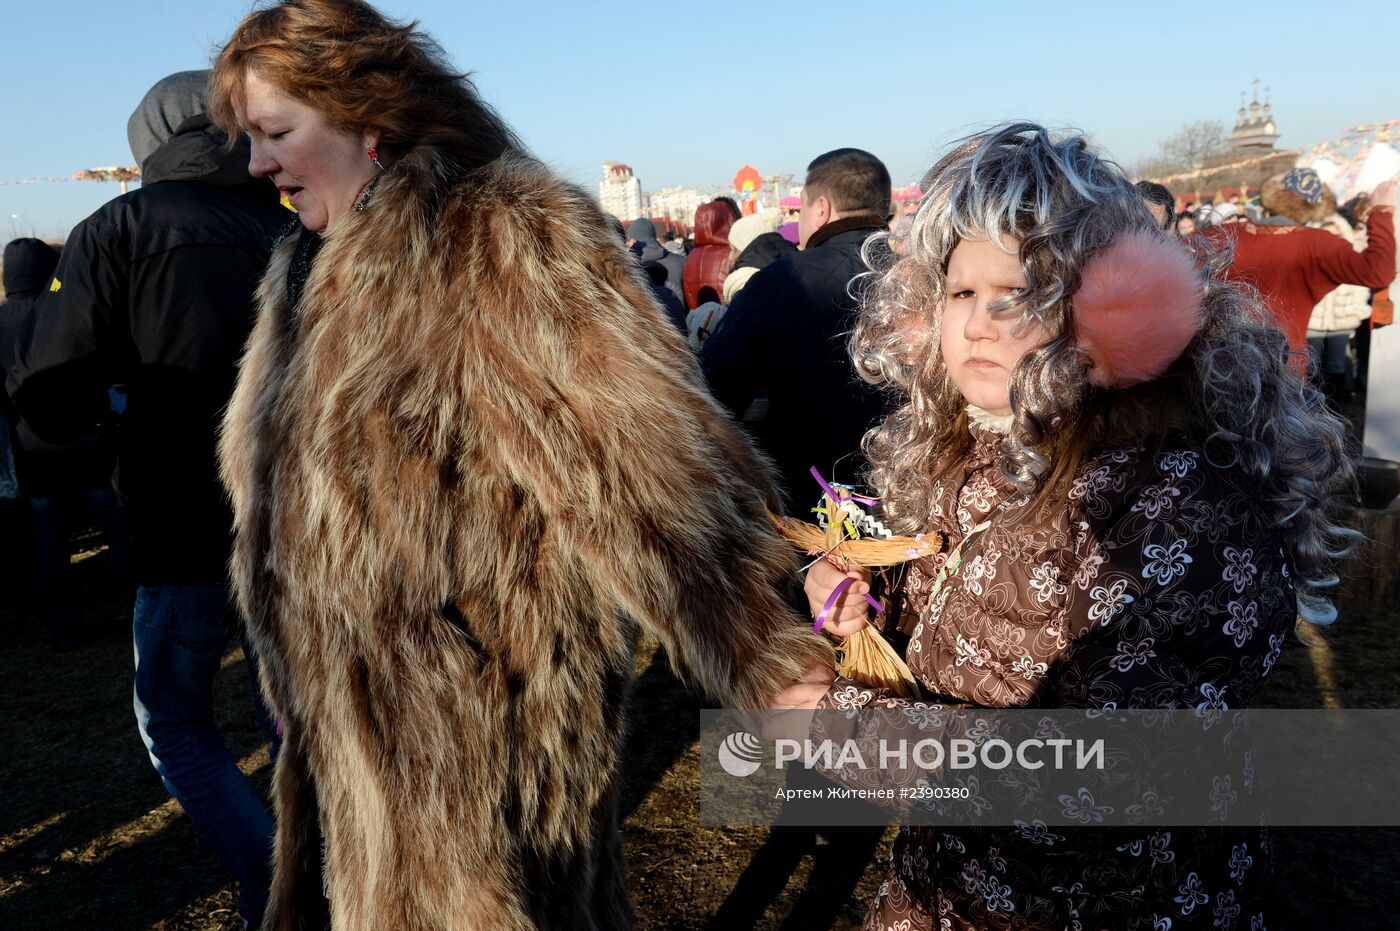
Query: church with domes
(1255, 132)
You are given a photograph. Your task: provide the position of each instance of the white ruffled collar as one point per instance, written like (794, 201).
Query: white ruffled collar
(997, 423)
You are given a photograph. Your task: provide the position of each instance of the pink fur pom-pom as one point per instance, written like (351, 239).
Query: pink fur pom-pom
(1137, 309)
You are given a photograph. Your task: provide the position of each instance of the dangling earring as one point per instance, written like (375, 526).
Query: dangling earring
(374, 157)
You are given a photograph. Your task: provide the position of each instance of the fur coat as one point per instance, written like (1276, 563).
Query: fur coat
(469, 463)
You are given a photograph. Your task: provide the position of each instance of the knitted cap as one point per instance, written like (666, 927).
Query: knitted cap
(747, 229)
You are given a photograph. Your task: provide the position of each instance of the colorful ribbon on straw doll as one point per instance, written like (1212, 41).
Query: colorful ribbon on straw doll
(850, 535)
(840, 496)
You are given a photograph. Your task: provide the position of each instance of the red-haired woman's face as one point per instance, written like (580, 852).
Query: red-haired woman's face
(981, 350)
(320, 168)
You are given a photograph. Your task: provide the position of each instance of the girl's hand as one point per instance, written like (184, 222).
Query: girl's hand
(851, 611)
(808, 692)
(796, 702)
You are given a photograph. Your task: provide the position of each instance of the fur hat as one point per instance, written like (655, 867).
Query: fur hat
(1138, 307)
(1299, 195)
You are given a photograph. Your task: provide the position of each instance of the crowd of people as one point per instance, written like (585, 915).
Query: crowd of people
(1327, 292)
(437, 445)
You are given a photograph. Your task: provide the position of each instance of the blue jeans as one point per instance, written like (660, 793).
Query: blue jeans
(180, 634)
(1329, 353)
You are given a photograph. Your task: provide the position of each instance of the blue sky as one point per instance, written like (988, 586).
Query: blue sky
(687, 92)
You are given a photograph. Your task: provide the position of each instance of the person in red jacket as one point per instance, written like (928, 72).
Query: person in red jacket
(707, 266)
(1294, 266)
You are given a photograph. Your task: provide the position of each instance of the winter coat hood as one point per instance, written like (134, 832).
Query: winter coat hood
(198, 152)
(172, 100)
(712, 223)
(764, 251)
(173, 139)
(759, 254)
(29, 264)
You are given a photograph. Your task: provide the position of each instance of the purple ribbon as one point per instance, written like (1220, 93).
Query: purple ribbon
(838, 498)
(847, 582)
(836, 594)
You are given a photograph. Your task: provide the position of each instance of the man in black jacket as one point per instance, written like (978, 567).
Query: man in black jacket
(786, 332)
(155, 292)
(58, 479)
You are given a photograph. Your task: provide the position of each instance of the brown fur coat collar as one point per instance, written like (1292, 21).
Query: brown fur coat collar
(462, 473)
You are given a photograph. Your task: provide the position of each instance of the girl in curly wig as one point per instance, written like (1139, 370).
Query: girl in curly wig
(1137, 494)
(1233, 392)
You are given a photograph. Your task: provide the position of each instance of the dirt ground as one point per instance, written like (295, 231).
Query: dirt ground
(90, 839)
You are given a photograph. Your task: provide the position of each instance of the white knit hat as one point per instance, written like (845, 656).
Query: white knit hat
(746, 229)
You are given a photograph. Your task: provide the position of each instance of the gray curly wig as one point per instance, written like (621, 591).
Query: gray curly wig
(1233, 393)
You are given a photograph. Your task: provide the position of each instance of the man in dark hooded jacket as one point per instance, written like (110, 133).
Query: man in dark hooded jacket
(155, 292)
(28, 267)
(58, 479)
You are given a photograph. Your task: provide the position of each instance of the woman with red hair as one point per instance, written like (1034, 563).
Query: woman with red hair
(466, 455)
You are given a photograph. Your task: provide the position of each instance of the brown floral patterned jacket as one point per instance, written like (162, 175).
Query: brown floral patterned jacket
(1159, 587)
